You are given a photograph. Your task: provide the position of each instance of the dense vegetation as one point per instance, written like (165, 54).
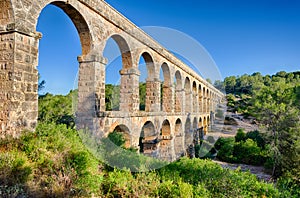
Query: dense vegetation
(274, 103)
(53, 161)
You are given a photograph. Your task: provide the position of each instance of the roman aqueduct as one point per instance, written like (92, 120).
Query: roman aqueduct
(165, 127)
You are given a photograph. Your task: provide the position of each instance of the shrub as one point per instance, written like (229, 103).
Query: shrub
(220, 142)
(61, 166)
(122, 183)
(248, 152)
(257, 137)
(215, 181)
(117, 138)
(172, 188)
(240, 135)
(289, 186)
(225, 147)
(14, 168)
(51, 162)
(57, 109)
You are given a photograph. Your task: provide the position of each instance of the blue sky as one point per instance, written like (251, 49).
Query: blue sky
(241, 36)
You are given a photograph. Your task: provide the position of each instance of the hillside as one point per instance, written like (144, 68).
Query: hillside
(53, 162)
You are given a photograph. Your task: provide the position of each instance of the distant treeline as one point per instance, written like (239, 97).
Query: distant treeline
(247, 84)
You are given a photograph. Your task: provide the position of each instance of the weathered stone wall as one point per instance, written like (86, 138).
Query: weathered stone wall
(19, 78)
(6, 13)
(6, 80)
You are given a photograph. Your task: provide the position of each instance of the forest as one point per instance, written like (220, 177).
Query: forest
(52, 161)
(274, 101)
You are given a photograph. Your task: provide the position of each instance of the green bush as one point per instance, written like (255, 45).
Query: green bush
(50, 162)
(172, 188)
(257, 137)
(240, 135)
(14, 168)
(248, 152)
(57, 109)
(289, 186)
(225, 147)
(217, 181)
(53, 162)
(241, 149)
(117, 138)
(122, 183)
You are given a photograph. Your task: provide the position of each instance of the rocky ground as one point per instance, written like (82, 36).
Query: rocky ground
(222, 128)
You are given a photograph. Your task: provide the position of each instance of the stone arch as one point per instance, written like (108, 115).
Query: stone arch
(187, 132)
(195, 131)
(152, 86)
(178, 142)
(204, 125)
(92, 101)
(166, 129)
(148, 138)
(188, 95)
(200, 99)
(79, 21)
(178, 91)
(149, 64)
(195, 99)
(166, 90)
(166, 73)
(207, 100)
(204, 100)
(127, 87)
(178, 128)
(124, 49)
(166, 151)
(208, 121)
(201, 129)
(126, 134)
(178, 79)
(200, 124)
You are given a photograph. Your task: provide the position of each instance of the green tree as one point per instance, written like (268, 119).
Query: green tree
(142, 91)
(274, 106)
(57, 109)
(112, 97)
(230, 83)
